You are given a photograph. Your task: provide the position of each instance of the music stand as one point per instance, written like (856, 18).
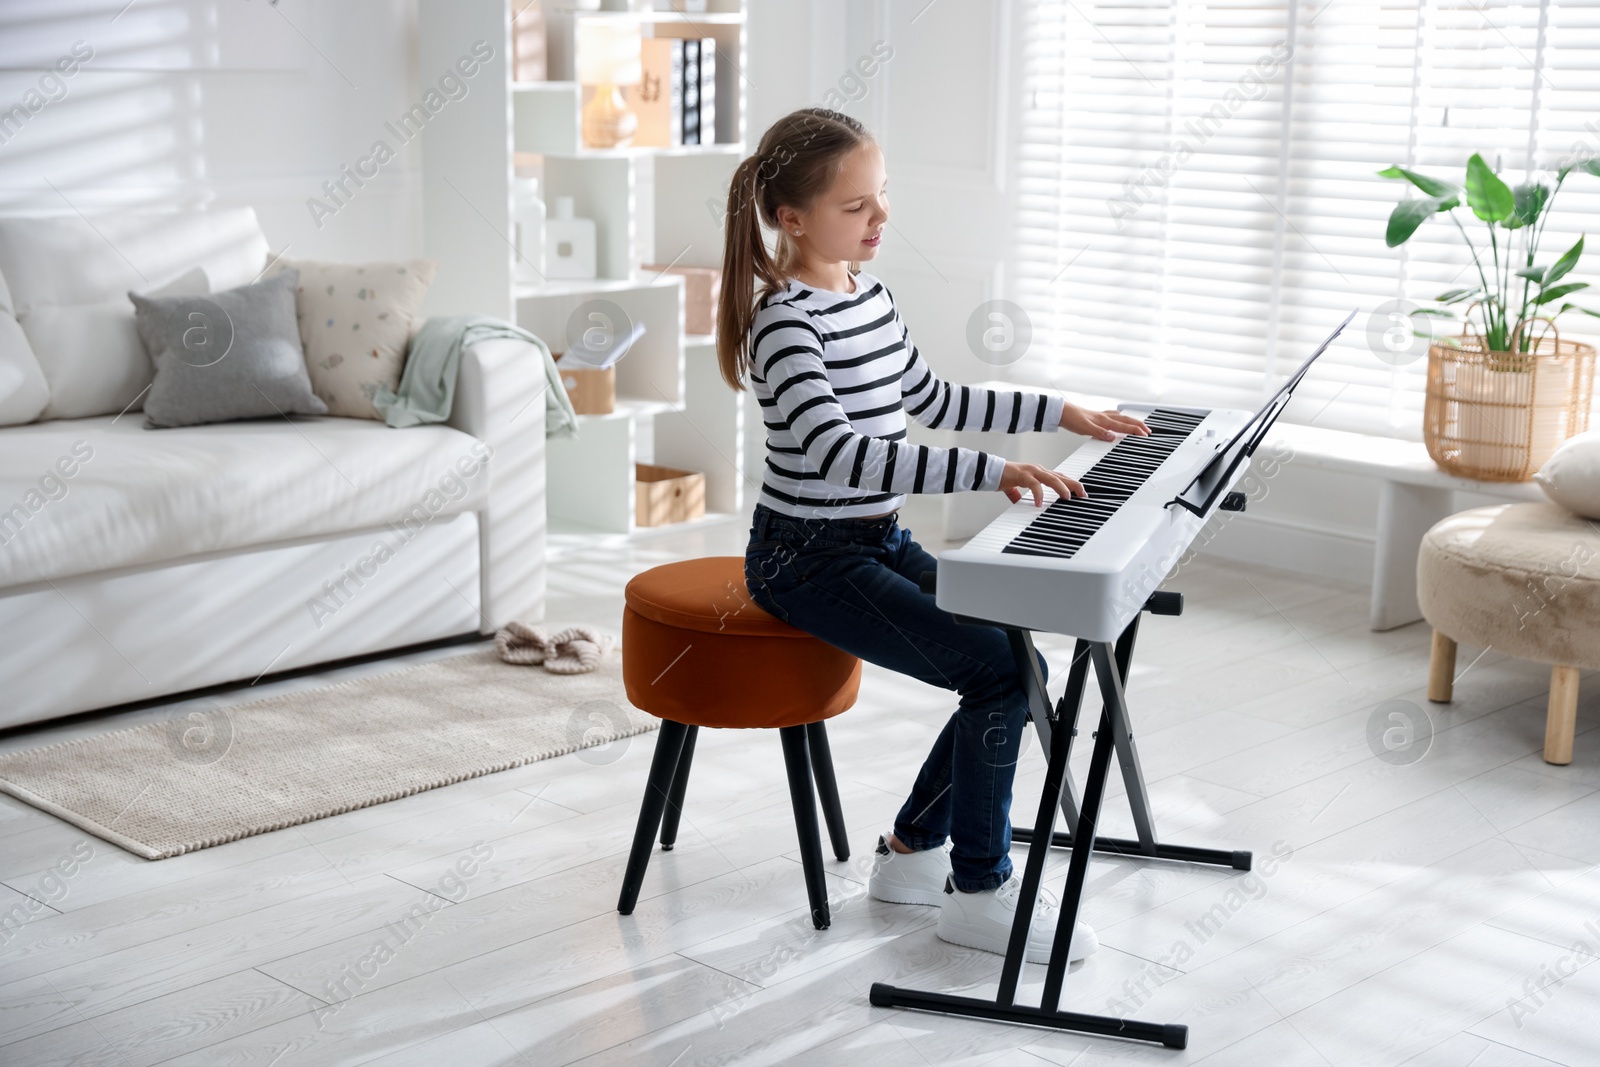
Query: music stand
(1202, 492)
(1057, 727)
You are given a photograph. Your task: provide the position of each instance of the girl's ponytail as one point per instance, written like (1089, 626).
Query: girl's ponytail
(744, 259)
(797, 159)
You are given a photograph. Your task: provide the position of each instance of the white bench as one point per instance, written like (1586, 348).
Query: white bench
(1413, 495)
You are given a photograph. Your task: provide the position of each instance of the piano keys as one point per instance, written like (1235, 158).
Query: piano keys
(1085, 566)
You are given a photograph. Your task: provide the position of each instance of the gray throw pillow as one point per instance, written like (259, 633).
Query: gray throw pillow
(230, 355)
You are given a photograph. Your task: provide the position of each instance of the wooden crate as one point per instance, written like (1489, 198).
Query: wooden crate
(592, 392)
(667, 494)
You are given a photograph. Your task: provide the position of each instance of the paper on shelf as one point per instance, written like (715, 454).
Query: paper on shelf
(600, 359)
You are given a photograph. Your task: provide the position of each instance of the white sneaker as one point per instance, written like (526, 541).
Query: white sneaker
(983, 920)
(909, 877)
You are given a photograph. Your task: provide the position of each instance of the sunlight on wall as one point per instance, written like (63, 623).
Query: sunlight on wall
(185, 104)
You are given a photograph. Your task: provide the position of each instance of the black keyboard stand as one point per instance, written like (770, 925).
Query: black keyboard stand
(1056, 730)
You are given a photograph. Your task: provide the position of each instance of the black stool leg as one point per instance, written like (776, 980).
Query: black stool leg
(827, 788)
(680, 781)
(798, 764)
(669, 746)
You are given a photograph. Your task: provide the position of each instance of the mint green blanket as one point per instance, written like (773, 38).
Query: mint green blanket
(428, 382)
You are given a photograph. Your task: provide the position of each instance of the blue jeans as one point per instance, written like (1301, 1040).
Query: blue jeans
(853, 583)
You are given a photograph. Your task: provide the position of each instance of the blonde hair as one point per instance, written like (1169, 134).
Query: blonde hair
(798, 159)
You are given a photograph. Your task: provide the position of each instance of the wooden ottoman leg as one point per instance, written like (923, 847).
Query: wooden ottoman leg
(680, 782)
(1561, 722)
(669, 747)
(798, 764)
(1441, 669)
(828, 788)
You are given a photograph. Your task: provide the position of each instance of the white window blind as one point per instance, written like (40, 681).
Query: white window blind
(1197, 203)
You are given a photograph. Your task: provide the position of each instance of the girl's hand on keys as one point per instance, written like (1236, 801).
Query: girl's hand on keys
(1100, 425)
(1020, 479)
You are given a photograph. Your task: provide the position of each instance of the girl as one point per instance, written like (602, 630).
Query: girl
(836, 373)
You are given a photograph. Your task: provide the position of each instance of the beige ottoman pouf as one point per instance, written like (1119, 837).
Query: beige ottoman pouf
(1523, 579)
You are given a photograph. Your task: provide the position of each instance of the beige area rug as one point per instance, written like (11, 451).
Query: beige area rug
(210, 773)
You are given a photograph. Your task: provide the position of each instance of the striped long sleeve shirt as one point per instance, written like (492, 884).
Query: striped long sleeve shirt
(836, 374)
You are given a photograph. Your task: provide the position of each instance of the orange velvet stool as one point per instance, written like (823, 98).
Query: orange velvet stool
(697, 651)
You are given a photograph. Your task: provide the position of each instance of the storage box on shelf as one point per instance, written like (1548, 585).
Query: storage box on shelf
(592, 390)
(667, 494)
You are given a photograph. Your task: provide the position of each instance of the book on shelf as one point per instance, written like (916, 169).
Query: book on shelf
(658, 98)
(708, 90)
(691, 90)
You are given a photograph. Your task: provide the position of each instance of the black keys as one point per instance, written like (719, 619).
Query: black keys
(1067, 524)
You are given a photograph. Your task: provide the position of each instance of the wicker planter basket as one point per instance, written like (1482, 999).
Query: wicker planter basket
(1497, 416)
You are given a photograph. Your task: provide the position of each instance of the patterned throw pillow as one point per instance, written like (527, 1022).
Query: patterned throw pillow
(355, 323)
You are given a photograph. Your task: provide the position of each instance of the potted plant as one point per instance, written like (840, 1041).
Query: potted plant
(1508, 390)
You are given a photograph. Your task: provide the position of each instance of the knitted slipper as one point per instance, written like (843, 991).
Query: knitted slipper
(522, 644)
(577, 649)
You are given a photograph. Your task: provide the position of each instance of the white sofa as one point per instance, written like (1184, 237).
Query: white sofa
(139, 563)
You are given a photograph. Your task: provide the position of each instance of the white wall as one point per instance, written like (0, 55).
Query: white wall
(187, 103)
(938, 106)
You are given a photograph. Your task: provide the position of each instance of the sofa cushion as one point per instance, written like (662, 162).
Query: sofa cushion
(23, 390)
(92, 375)
(69, 278)
(226, 356)
(355, 322)
(88, 495)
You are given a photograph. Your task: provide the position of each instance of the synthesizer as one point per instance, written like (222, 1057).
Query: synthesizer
(1085, 566)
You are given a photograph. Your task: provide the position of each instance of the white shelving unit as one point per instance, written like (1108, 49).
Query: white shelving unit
(650, 205)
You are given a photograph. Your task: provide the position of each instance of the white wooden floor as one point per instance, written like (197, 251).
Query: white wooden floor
(1440, 913)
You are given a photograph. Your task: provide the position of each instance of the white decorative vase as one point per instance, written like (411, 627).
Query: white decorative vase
(529, 216)
(569, 243)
